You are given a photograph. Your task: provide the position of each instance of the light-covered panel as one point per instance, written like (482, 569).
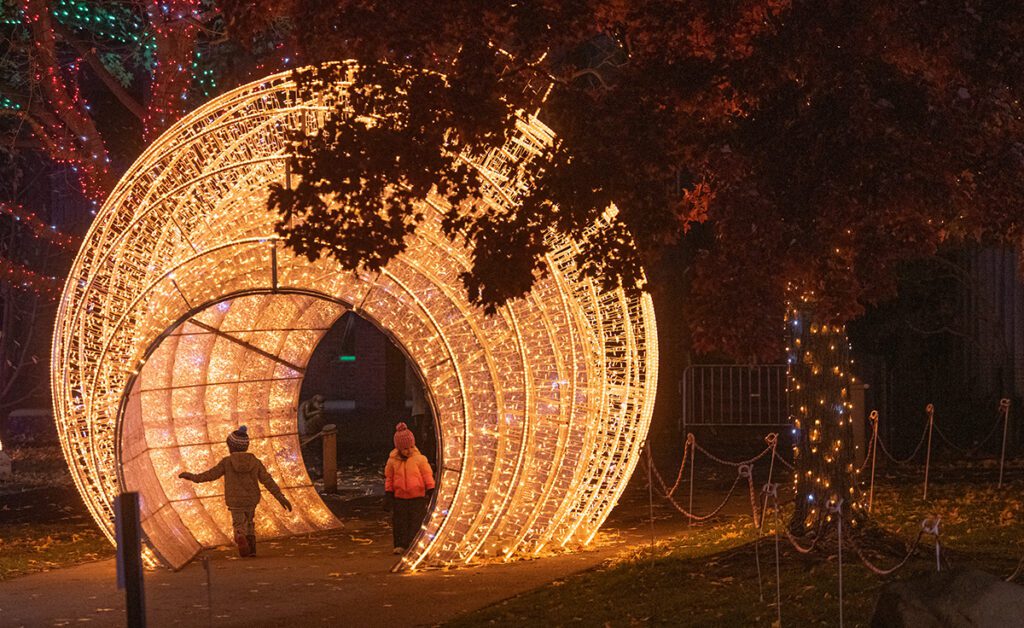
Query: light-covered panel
(183, 316)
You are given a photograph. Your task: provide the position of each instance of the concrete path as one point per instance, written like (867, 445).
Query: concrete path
(340, 578)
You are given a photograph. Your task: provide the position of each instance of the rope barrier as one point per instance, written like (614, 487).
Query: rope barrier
(747, 471)
(878, 571)
(970, 451)
(1016, 572)
(1002, 416)
(949, 443)
(679, 476)
(769, 491)
(881, 444)
(784, 462)
(688, 513)
(1000, 419)
(871, 444)
(729, 463)
(796, 543)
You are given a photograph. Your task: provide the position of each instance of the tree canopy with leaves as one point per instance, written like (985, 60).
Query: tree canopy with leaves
(800, 150)
(819, 144)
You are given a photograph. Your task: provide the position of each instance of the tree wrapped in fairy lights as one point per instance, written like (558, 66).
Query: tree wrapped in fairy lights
(821, 411)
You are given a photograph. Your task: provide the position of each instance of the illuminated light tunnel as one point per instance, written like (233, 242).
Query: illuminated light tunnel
(184, 316)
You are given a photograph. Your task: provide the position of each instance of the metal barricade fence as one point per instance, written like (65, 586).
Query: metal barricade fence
(730, 394)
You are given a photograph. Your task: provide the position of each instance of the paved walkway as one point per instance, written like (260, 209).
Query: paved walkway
(326, 579)
(336, 578)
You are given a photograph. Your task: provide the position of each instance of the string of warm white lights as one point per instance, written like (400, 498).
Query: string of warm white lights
(183, 316)
(821, 403)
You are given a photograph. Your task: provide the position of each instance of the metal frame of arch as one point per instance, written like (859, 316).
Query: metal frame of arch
(183, 316)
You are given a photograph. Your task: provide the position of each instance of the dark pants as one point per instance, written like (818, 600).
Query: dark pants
(406, 519)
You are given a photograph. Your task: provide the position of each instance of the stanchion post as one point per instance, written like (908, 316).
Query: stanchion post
(330, 441)
(930, 409)
(692, 441)
(773, 441)
(128, 531)
(874, 456)
(209, 590)
(1004, 407)
(931, 526)
(838, 510)
(778, 571)
(650, 491)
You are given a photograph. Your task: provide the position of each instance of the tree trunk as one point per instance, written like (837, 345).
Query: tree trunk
(820, 406)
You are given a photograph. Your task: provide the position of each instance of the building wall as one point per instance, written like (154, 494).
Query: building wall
(375, 381)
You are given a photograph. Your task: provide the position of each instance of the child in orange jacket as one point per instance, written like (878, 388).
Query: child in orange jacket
(243, 473)
(408, 480)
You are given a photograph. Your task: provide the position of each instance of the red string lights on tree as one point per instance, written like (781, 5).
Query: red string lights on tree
(69, 134)
(39, 228)
(175, 27)
(48, 288)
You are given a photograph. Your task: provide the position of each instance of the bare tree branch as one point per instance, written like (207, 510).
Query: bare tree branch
(115, 87)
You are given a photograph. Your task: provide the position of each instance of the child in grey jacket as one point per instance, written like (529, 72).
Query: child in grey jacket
(243, 473)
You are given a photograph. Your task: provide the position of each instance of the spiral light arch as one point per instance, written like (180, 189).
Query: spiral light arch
(184, 316)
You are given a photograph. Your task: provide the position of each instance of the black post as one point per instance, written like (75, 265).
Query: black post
(129, 558)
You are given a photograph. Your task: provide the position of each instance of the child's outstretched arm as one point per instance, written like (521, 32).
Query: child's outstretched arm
(272, 486)
(206, 476)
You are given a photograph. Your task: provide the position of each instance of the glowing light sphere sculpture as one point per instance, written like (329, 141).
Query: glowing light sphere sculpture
(183, 316)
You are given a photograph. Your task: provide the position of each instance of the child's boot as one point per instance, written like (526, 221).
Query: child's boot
(251, 538)
(242, 541)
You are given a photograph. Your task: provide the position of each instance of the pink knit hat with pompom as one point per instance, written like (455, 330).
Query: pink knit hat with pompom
(404, 439)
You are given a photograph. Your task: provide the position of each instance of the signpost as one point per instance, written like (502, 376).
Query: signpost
(330, 443)
(6, 466)
(129, 557)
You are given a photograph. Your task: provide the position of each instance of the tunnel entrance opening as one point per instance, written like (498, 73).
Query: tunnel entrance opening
(361, 381)
(252, 359)
(237, 361)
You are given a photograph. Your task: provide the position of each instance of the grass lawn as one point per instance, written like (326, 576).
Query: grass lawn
(43, 522)
(708, 576)
(30, 547)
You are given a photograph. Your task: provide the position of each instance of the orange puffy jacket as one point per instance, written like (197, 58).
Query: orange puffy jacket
(408, 478)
